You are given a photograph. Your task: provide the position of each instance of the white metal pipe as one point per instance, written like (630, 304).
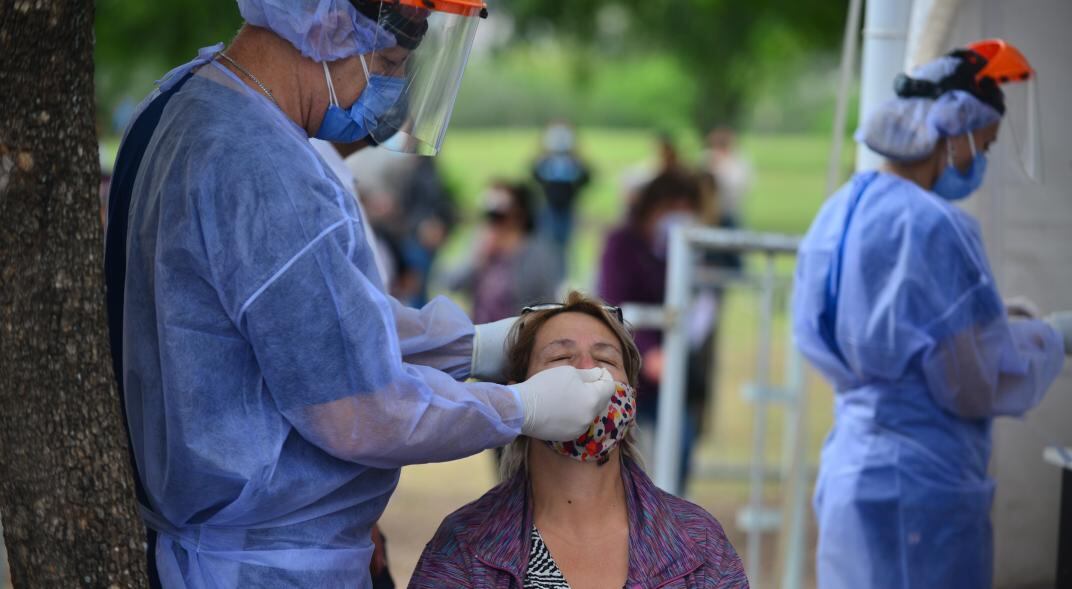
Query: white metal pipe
(671, 405)
(759, 421)
(797, 477)
(641, 316)
(737, 240)
(928, 34)
(885, 39)
(850, 45)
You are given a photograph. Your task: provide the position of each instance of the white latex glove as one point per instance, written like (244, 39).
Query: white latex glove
(489, 350)
(1022, 308)
(1062, 322)
(561, 402)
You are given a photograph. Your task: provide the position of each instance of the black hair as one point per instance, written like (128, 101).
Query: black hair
(408, 25)
(964, 78)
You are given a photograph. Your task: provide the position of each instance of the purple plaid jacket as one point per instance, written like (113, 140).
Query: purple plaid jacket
(673, 544)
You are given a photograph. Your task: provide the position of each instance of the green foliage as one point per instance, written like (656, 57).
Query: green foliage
(625, 63)
(724, 44)
(800, 103)
(528, 85)
(139, 41)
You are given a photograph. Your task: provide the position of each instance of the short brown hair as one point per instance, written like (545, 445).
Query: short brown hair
(519, 348)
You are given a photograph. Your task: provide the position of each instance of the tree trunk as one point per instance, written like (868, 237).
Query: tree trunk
(66, 490)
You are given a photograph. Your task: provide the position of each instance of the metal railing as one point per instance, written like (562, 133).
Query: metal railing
(683, 277)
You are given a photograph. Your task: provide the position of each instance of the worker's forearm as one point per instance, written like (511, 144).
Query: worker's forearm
(424, 416)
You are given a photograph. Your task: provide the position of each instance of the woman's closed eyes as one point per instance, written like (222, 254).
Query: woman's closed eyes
(566, 351)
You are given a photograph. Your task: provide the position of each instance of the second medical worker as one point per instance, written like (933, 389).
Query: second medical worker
(895, 303)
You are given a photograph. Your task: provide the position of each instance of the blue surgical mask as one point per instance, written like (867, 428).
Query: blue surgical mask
(952, 184)
(380, 94)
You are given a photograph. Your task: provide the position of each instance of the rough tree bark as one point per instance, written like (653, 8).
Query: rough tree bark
(66, 491)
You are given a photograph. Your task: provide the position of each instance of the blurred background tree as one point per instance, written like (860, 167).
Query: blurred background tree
(729, 48)
(621, 63)
(137, 42)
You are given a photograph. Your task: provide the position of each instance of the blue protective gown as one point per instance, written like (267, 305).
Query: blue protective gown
(896, 305)
(272, 389)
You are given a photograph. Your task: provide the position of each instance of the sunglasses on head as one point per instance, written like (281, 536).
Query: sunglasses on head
(614, 311)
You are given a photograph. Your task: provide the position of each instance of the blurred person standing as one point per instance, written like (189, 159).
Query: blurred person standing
(666, 158)
(427, 217)
(512, 265)
(411, 208)
(731, 170)
(668, 154)
(377, 174)
(333, 158)
(633, 270)
(561, 175)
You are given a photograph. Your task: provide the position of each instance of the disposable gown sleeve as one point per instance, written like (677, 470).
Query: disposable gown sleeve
(1003, 368)
(981, 364)
(330, 345)
(438, 335)
(932, 299)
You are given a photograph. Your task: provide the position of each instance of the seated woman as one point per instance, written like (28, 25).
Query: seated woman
(581, 513)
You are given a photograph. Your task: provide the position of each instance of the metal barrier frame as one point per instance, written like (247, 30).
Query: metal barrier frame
(671, 318)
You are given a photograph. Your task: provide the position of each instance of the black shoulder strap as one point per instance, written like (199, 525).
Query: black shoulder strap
(115, 264)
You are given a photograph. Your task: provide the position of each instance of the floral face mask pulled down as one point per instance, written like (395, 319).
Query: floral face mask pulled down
(606, 431)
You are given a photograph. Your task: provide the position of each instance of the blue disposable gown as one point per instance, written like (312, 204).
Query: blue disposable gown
(272, 389)
(897, 307)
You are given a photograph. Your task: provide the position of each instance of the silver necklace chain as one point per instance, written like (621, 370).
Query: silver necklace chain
(249, 75)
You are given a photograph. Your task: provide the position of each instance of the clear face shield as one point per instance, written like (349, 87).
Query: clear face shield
(425, 48)
(1021, 124)
(1018, 80)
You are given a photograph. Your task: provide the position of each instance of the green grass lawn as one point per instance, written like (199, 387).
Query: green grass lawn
(790, 170)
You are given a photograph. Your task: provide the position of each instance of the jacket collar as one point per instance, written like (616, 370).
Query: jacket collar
(497, 541)
(660, 549)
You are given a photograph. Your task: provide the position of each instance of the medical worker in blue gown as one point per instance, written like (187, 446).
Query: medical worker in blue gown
(896, 305)
(272, 389)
